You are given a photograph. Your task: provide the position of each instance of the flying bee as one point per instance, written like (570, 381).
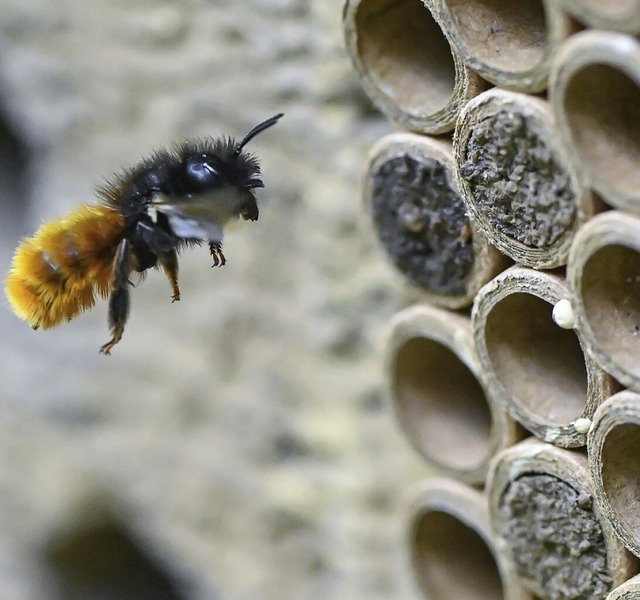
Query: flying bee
(145, 216)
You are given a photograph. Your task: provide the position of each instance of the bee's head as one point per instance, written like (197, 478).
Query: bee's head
(224, 162)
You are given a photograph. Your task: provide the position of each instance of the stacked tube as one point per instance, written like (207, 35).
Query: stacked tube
(509, 207)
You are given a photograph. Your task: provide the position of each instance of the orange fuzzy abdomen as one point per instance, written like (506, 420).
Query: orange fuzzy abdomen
(56, 274)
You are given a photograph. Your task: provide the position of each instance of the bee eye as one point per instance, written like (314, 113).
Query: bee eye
(201, 173)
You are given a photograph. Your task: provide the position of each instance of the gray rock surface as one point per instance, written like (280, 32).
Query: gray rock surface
(236, 440)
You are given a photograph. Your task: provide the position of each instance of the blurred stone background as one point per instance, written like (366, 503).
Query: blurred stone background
(235, 445)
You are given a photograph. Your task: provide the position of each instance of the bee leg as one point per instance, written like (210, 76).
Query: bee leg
(215, 248)
(169, 263)
(119, 298)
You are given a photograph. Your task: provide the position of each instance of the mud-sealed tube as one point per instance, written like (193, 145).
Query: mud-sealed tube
(548, 527)
(517, 178)
(413, 204)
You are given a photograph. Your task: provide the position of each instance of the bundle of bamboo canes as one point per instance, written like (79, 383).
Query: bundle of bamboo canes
(542, 349)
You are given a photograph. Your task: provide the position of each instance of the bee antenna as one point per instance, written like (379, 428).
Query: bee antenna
(255, 131)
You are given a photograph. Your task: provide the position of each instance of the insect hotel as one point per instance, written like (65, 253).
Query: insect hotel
(509, 202)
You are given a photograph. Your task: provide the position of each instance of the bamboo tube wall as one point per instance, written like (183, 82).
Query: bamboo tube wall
(619, 15)
(537, 369)
(419, 90)
(542, 349)
(438, 396)
(444, 517)
(508, 42)
(629, 590)
(596, 100)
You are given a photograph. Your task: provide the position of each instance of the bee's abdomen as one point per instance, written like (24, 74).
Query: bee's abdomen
(56, 274)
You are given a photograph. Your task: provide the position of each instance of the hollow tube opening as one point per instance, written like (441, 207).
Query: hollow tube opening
(621, 475)
(602, 107)
(508, 35)
(440, 404)
(611, 298)
(540, 365)
(451, 560)
(406, 54)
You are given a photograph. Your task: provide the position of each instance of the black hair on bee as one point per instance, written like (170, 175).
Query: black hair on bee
(145, 216)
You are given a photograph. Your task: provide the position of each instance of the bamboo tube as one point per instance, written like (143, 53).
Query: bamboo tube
(629, 590)
(534, 367)
(406, 65)
(413, 203)
(438, 397)
(508, 42)
(517, 179)
(547, 526)
(614, 445)
(604, 277)
(451, 550)
(619, 15)
(595, 95)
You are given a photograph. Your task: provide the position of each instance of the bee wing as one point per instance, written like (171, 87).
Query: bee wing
(192, 228)
(201, 217)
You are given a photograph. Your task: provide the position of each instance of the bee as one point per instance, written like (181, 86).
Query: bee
(145, 216)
